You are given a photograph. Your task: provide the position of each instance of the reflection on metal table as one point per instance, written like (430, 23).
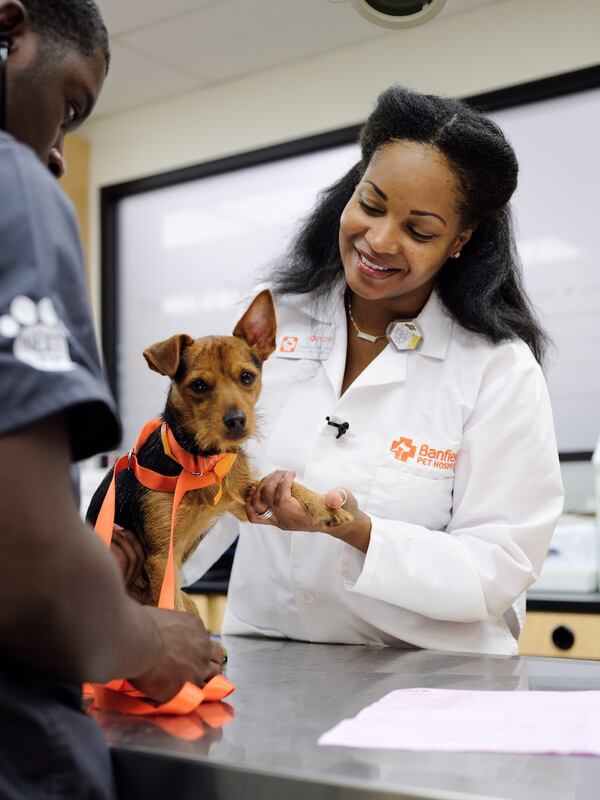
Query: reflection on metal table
(289, 693)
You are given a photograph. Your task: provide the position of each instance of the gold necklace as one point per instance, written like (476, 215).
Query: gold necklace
(361, 334)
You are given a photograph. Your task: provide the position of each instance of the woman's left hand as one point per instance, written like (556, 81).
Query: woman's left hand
(274, 492)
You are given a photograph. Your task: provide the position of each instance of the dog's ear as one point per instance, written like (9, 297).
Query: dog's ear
(164, 357)
(258, 326)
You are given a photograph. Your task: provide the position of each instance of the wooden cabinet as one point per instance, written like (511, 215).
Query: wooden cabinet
(76, 184)
(561, 635)
(212, 609)
(562, 626)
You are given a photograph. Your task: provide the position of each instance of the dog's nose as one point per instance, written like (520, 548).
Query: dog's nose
(235, 421)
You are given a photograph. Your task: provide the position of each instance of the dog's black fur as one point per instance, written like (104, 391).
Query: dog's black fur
(129, 492)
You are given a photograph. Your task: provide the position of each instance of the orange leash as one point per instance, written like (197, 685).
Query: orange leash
(197, 473)
(120, 695)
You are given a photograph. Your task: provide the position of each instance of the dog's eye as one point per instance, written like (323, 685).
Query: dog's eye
(199, 386)
(247, 378)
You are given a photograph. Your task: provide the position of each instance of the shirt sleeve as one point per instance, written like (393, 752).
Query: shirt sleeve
(507, 499)
(49, 361)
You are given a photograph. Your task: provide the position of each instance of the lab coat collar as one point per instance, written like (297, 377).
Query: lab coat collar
(434, 321)
(436, 326)
(391, 365)
(311, 311)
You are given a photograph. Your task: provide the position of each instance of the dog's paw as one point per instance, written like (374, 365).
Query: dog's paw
(337, 517)
(334, 517)
(318, 510)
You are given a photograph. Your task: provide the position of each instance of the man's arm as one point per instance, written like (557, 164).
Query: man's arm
(63, 607)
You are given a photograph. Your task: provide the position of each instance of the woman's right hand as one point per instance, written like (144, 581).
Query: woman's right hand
(187, 654)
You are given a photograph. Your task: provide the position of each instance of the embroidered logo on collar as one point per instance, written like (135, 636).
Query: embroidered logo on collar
(315, 346)
(40, 338)
(405, 449)
(288, 344)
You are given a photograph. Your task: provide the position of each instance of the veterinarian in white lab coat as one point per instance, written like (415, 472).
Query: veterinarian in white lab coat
(448, 461)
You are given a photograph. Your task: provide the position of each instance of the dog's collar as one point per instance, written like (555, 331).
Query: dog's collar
(196, 465)
(197, 472)
(201, 471)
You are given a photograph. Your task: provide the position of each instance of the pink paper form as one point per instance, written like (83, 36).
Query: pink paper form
(494, 722)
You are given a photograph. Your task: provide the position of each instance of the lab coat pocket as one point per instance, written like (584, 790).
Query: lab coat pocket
(403, 495)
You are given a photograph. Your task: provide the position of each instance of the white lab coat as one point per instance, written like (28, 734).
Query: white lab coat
(461, 523)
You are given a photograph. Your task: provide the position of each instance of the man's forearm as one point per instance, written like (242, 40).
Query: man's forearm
(75, 621)
(63, 605)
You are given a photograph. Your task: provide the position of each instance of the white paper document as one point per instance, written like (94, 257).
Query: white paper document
(494, 722)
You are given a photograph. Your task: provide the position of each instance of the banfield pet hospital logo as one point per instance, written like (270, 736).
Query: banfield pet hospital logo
(405, 449)
(288, 344)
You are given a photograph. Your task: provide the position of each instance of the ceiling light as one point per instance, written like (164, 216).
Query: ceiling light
(397, 13)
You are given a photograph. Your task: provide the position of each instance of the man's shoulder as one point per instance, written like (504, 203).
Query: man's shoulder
(16, 157)
(23, 176)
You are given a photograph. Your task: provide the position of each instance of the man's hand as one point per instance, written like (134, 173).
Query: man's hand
(188, 654)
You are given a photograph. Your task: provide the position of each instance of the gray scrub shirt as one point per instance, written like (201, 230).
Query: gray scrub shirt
(49, 360)
(48, 364)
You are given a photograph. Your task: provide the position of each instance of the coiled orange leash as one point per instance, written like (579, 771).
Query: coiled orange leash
(197, 472)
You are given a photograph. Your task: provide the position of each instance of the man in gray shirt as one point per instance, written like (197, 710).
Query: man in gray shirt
(65, 616)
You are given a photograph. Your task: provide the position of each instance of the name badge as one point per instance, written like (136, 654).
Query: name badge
(314, 346)
(404, 335)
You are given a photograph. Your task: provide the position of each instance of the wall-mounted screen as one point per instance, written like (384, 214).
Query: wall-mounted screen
(189, 253)
(183, 253)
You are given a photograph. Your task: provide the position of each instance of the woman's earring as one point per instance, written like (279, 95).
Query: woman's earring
(457, 254)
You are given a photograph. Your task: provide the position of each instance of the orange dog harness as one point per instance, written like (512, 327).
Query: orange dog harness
(197, 472)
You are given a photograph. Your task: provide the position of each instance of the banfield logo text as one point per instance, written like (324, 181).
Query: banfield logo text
(405, 449)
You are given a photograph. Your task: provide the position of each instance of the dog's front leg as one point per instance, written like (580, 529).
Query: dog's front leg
(155, 569)
(314, 504)
(188, 604)
(239, 512)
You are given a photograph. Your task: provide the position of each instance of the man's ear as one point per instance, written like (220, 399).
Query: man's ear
(165, 357)
(258, 326)
(14, 19)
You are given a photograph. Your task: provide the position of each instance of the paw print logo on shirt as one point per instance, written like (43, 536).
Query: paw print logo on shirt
(39, 336)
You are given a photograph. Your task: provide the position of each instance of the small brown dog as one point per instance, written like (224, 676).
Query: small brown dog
(215, 383)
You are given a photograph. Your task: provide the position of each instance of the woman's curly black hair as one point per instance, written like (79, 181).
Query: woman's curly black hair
(483, 290)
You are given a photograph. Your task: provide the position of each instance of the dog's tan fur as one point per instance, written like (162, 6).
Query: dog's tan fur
(219, 362)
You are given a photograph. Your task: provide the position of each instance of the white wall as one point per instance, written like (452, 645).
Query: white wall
(495, 46)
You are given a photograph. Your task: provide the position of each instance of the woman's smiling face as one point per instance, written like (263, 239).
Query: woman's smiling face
(401, 225)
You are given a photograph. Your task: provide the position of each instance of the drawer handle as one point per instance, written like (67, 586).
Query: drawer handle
(563, 637)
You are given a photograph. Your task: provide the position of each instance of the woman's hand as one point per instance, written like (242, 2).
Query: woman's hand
(274, 492)
(129, 553)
